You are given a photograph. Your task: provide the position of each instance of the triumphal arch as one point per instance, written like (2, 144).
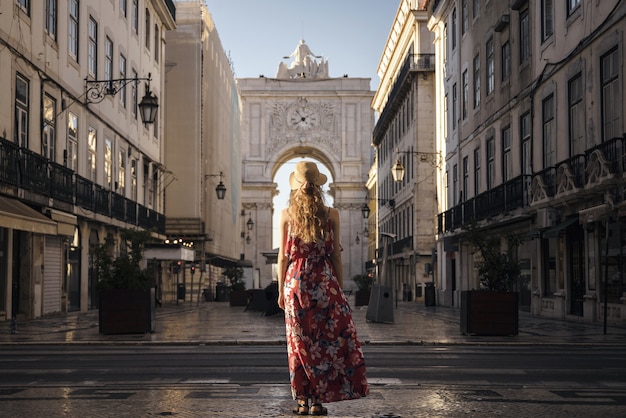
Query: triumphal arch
(304, 112)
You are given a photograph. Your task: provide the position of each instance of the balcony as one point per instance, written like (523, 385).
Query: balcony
(45, 182)
(412, 64)
(597, 170)
(505, 198)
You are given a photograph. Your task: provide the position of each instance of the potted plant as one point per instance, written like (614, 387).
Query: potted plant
(492, 309)
(364, 283)
(126, 290)
(237, 287)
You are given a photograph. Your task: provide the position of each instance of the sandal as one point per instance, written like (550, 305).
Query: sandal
(302, 408)
(318, 409)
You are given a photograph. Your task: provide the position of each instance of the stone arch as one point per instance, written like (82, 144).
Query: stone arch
(330, 121)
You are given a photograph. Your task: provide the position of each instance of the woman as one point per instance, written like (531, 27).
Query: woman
(325, 358)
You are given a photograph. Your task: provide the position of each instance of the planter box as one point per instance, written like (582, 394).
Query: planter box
(238, 298)
(489, 313)
(127, 311)
(362, 297)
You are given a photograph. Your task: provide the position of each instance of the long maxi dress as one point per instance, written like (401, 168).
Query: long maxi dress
(326, 362)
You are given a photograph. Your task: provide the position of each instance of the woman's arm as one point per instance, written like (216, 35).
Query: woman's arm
(335, 257)
(282, 258)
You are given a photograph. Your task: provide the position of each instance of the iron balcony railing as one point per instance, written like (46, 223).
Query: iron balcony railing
(21, 168)
(516, 193)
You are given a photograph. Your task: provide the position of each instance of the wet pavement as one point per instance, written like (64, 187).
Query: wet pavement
(220, 323)
(217, 323)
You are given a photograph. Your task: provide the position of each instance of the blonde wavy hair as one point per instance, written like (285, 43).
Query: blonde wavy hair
(308, 213)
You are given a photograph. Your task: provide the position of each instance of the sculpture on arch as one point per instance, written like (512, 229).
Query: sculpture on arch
(304, 65)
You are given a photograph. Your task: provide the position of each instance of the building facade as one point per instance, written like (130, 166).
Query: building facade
(404, 138)
(202, 149)
(77, 163)
(530, 104)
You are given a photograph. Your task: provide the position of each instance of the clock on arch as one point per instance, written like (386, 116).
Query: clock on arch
(303, 116)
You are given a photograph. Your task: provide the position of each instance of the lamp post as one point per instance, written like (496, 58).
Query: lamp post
(97, 90)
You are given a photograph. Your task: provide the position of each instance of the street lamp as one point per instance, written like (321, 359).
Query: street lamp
(97, 90)
(220, 189)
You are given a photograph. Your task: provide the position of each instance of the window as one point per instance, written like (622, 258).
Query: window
(157, 43)
(148, 29)
(464, 17)
(476, 171)
(91, 153)
(506, 61)
(22, 93)
(491, 163)
(475, 8)
(576, 115)
(108, 59)
(465, 93)
(507, 169)
(446, 116)
(71, 158)
(51, 18)
(133, 178)
(122, 64)
(453, 24)
(572, 5)
(476, 81)
(454, 105)
(121, 173)
(455, 187)
(92, 51)
(611, 96)
(124, 7)
(526, 150)
(490, 67)
(24, 5)
(524, 37)
(73, 30)
(464, 192)
(108, 163)
(547, 19)
(48, 138)
(133, 95)
(135, 16)
(547, 118)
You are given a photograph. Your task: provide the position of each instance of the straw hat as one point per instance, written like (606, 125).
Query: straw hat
(306, 171)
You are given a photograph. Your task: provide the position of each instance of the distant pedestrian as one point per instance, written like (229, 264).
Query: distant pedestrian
(326, 362)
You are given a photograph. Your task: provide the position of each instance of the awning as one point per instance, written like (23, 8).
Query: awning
(226, 262)
(556, 230)
(271, 256)
(16, 215)
(66, 223)
(164, 252)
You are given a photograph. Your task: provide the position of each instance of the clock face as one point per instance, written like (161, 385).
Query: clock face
(303, 118)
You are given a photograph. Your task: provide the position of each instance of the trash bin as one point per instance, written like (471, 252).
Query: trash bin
(222, 293)
(429, 294)
(180, 291)
(206, 292)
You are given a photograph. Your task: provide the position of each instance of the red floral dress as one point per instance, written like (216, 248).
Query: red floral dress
(325, 358)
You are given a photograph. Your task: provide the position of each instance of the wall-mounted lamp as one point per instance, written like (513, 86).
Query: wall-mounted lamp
(220, 189)
(97, 90)
(357, 240)
(365, 209)
(398, 170)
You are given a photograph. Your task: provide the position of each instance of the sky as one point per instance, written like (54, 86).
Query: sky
(257, 34)
(350, 34)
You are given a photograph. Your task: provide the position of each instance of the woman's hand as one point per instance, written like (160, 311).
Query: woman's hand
(281, 300)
